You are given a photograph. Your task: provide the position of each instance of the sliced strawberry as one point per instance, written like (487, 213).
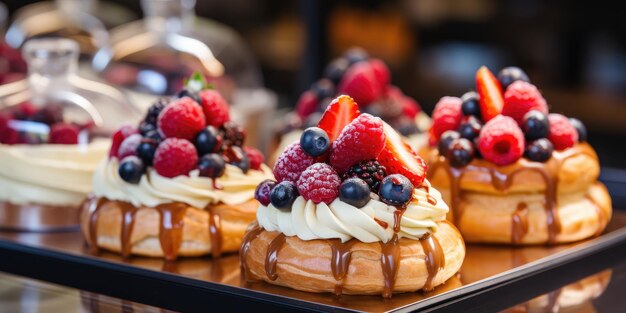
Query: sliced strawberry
(398, 158)
(339, 113)
(360, 83)
(490, 92)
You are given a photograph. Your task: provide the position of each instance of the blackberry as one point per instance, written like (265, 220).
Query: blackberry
(155, 109)
(370, 171)
(232, 135)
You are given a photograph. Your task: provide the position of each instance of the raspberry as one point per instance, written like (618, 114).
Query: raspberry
(174, 157)
(410, 107)
(255, 156)
(360, 83)
(319, 183)
(129, 146)
(521, 97)
(501, 141)
(361, 140)
(562, 133)
(63, 133)
(307, 104)
(119, 136)
(370, 171)
(215, 108)
(291, 163)
(381, 72)
(446, 115)
(182, 118)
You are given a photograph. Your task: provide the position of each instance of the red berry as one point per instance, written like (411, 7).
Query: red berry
(183, 118)
(319, 183)
(410, 107)
(174, 157)
(339, 113)
(307, 104)
(215, 108)
(361, 140)
(501, 141)
(255, 156)
(129, 146)
(446, 115)
(119, 136)
(360, 83)
(490, 92)
(521, 97)
(63, 133)
(562, 133)
(291, 163)
(398, 158)
(381, 72)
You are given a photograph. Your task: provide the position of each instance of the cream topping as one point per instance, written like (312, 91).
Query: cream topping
(154, 189)
(49, 174)
(340, 220)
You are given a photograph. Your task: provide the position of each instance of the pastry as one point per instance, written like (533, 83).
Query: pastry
(368, 81)
(180, 184)
(512, 172)
(351, 213)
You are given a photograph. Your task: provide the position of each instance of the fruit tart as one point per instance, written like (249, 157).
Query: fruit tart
(182, 183)
(368, 81)
(511, 171)
(351, 212)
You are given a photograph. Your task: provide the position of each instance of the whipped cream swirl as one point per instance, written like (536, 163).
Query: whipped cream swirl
(371, 223)
(154, 189)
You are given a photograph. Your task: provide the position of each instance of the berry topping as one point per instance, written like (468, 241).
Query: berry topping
(211, 165)
(214, 107)
(508, 75)
(183, 118)
(255, 156)
(381, 73)
(129, 146)
(369, 171)
(460, 152)
(361, 140)
(175, 157)
(396, 190)
(470, 127)
(237, 157)
(208, 140)
(117, 138)
(130, 170)
(187, 93)
(446, 115)
(314, 141)
(263, 190)
(291, 163)
(535, 125)
(154, 110)
(146, 150)
(146, 127)
(398, 158)
(562, 134)
(490, 94)
(445, 141)
(470, 104)
(360, 83)
(339, 113)
(307, 104)
(355, 55)
(335, 69)
(354, 191)
(63, 133)
(232, 135)
(283, 195)
(520, 98)
(539, 150)
(323, 88)
(580, 128)
(410, 107)
(319, 183)
(501, 141)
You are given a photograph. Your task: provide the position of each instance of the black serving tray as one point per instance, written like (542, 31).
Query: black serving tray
(491, 278)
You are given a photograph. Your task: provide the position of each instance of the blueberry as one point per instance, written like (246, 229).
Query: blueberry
(237, 157)
(146, 127)
(396, 190)
(580, 128)
(211, 165)
(283, 195)
(130, 170)
(355, 192)
(314, 141)
(508, 75)
(470, 104)
(323, 88)
(146, 150)
(354, 55)
(153, 136)
(335, 69)
(208, 140)
(460, 152)
(539, 150)
(470, 128)
(535, 125)
(446, 138)
(263, 190)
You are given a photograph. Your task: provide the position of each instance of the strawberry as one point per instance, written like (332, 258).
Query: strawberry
(490, 92)
(398, 158)
(360, 82)
(381, 73)
(215, 108)
(361, 140)
(339, 113)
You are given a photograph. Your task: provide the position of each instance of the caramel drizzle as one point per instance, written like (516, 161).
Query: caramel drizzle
(215, 230)
(519, 226)
(502, 179)
(340, 261)
(390, 259)
(128, 223)
(271, 258)
(252, 234)
(435, 259)
(171, 228)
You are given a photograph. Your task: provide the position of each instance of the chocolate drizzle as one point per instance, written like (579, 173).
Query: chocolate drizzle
(502, 179)
(435, 259)
(215, 230)
(128, 223)
(271, 259)
(171, 228)
(340, 261)
(390, 259)
(250, 235)
(519, 223)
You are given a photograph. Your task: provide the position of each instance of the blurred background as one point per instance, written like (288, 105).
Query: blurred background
(575, 53)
